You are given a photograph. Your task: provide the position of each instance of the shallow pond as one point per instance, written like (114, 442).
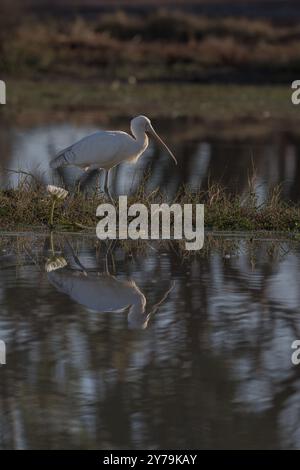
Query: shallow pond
(143, 349)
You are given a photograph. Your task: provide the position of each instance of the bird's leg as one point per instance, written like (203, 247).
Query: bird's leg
(106, 182)
(106, 188)
(68, 201)
(71, 251)
(80, 180)
(75, 191)
(110, 252)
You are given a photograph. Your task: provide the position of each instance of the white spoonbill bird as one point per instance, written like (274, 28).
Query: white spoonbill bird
(106, 149)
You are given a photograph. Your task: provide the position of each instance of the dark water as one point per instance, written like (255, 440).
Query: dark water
(191, 353)
(227, 160)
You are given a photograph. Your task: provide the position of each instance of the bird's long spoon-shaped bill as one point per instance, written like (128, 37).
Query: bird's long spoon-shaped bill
(162, 143)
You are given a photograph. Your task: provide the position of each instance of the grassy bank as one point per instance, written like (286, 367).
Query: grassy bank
(29, 206)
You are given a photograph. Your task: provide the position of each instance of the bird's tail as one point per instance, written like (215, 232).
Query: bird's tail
(58, 161)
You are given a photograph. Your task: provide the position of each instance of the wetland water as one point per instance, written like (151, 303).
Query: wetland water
(227, 160)
(149, 350)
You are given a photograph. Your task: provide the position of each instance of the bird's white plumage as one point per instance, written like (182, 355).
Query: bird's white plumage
(106, 149)
(102, 293)
(103, 149)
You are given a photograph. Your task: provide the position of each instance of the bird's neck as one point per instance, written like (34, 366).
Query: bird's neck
(141, 138)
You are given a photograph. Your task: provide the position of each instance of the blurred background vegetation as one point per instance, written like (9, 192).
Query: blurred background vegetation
(228, 60)
(233, 42)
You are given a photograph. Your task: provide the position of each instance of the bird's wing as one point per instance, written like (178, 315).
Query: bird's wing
(104, 149)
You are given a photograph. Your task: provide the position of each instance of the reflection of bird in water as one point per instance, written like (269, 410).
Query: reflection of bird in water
(102, 292)
(106, 149)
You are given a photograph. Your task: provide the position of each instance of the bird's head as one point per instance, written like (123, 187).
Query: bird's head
(143, 124)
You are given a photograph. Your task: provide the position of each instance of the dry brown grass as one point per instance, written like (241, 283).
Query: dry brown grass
(157, 45)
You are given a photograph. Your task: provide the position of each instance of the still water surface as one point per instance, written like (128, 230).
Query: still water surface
(148, 350)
